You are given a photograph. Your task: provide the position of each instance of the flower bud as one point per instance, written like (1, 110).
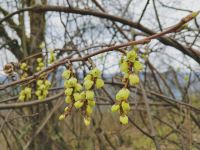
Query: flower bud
(88, 84)
(78, 104)
(41, 87)
(66, 109)
(42, 45)
(89, 110)
(123, 119)
(68, 99)
(22, 97)
(72, 82)
(47, 83)
(69, 91)
(124, 67)
(131, 55)
(66, 74)
(62, 117)
(133, 79)
(77, 96)
(39, 82)
(125, 106)
(99, 83)
(27, 90)
(41, 97)
(66, 84)
(95, 72)
(88, 77)
(24, 66)
(52, 57)
(87, 121)
(123, 94)
(83, 95)
(38, 93)
(38, 68)
(89, 95)
(91, 103)
(39, 60)
(115, 108)
(41, 64)
(78, 87)
(138, 66)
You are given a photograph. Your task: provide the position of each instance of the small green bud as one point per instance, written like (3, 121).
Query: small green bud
(45, 92)
(41, 97)
(83, 95)
(66, 109)
(88, 77)
(125, 106)
(69, 91)
(115, 108)
(62, 117)
(195, 13)
(78, 104)
(87, 121)
(24, 66)
(124, 67)
(138, 66)
(52, 57)
(47, 83)
(126, 75)
(39, 82)
(66, 84)
(89, 110)
(123, 119)
(95, 72)
(39, 60)
(41, 64)
(38, 68)
(89, 95)
(27, 90)
(133, 79)
(72, 82)
(88, 84)
(131, 56)
(28, 96)
(38, 93)
(77, 96)
(66, 74)
(42, 87)
(68, 99)
(24, 75)
(123, 94)
(42, 45)
(78, 87)
(99, 83)
(22, 97)
(91, 103)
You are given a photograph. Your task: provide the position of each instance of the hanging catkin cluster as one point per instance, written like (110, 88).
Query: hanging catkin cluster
(42, 84)
(84, 98)
(24, 69)
(25, 93)
(130, 66)
(40, 64)
(42, 89)
(81, 99)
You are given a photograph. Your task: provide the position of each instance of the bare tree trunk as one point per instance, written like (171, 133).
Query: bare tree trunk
(37, 26)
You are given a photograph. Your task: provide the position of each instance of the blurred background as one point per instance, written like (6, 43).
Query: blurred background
(170, 79)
